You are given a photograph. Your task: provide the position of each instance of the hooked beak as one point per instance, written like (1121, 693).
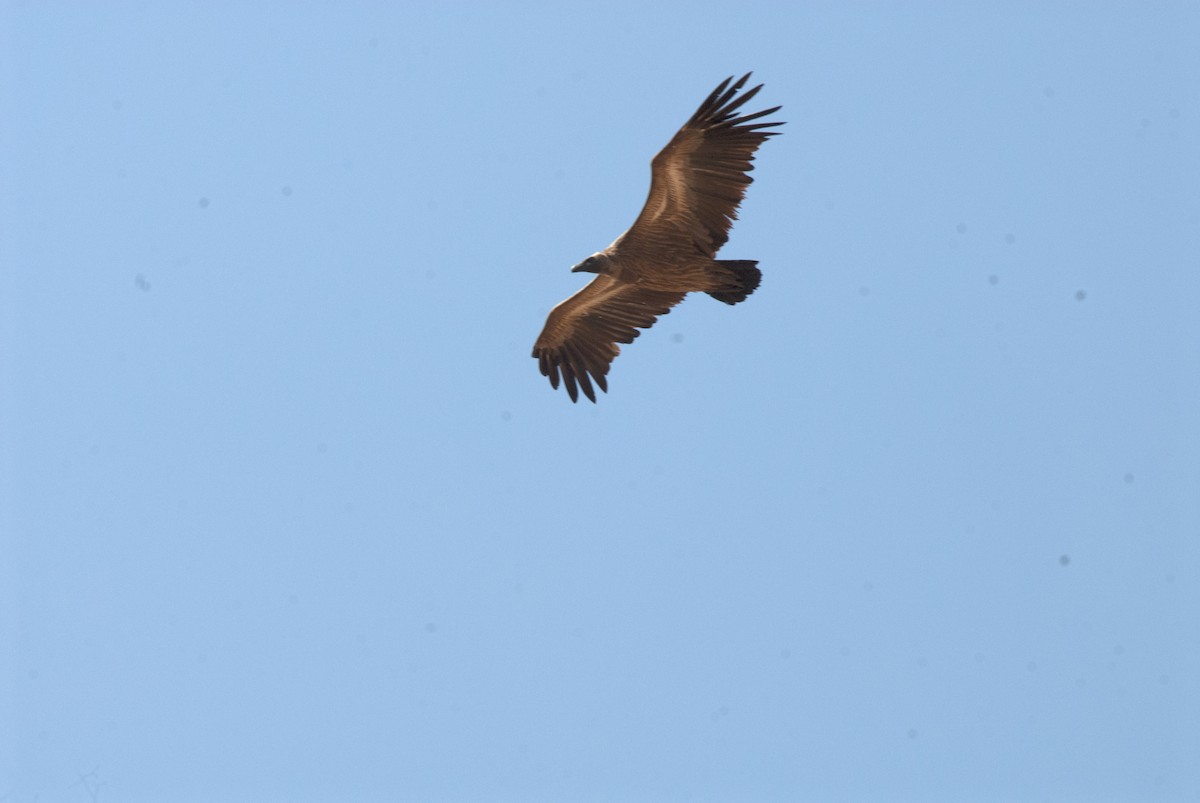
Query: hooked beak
(581, 269)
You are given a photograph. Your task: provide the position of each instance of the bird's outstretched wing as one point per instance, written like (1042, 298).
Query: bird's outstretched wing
(699, 179)
(580, 338)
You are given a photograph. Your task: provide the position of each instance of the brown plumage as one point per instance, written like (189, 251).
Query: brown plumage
(696, 184)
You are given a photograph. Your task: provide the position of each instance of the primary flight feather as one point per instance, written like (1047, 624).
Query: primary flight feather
(696, 184)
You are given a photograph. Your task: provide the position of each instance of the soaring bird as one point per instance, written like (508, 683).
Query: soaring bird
(696, 184)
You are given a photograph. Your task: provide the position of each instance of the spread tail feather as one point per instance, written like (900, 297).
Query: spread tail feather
(739, 278)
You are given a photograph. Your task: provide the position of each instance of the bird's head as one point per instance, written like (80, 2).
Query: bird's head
(596, 263)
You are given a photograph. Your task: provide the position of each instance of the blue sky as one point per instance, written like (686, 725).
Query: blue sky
(290, 514)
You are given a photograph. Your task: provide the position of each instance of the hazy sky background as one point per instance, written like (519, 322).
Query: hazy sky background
(290, 514)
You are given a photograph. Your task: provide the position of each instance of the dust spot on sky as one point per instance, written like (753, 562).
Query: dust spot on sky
(912, 733)
(142, 283)
(1010, 238)
(287, 190)
(1129, 478)
(505, 415)
(676, 338)
(864, 291)
(431, 627)
(993, 279)
(961, 228)
(1080, 295)
(1064, 560)
(204, 203)
(1031, 666)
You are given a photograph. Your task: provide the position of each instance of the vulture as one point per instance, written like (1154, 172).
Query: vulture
(696, 184)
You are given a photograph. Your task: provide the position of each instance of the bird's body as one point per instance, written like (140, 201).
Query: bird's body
(697, 182)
